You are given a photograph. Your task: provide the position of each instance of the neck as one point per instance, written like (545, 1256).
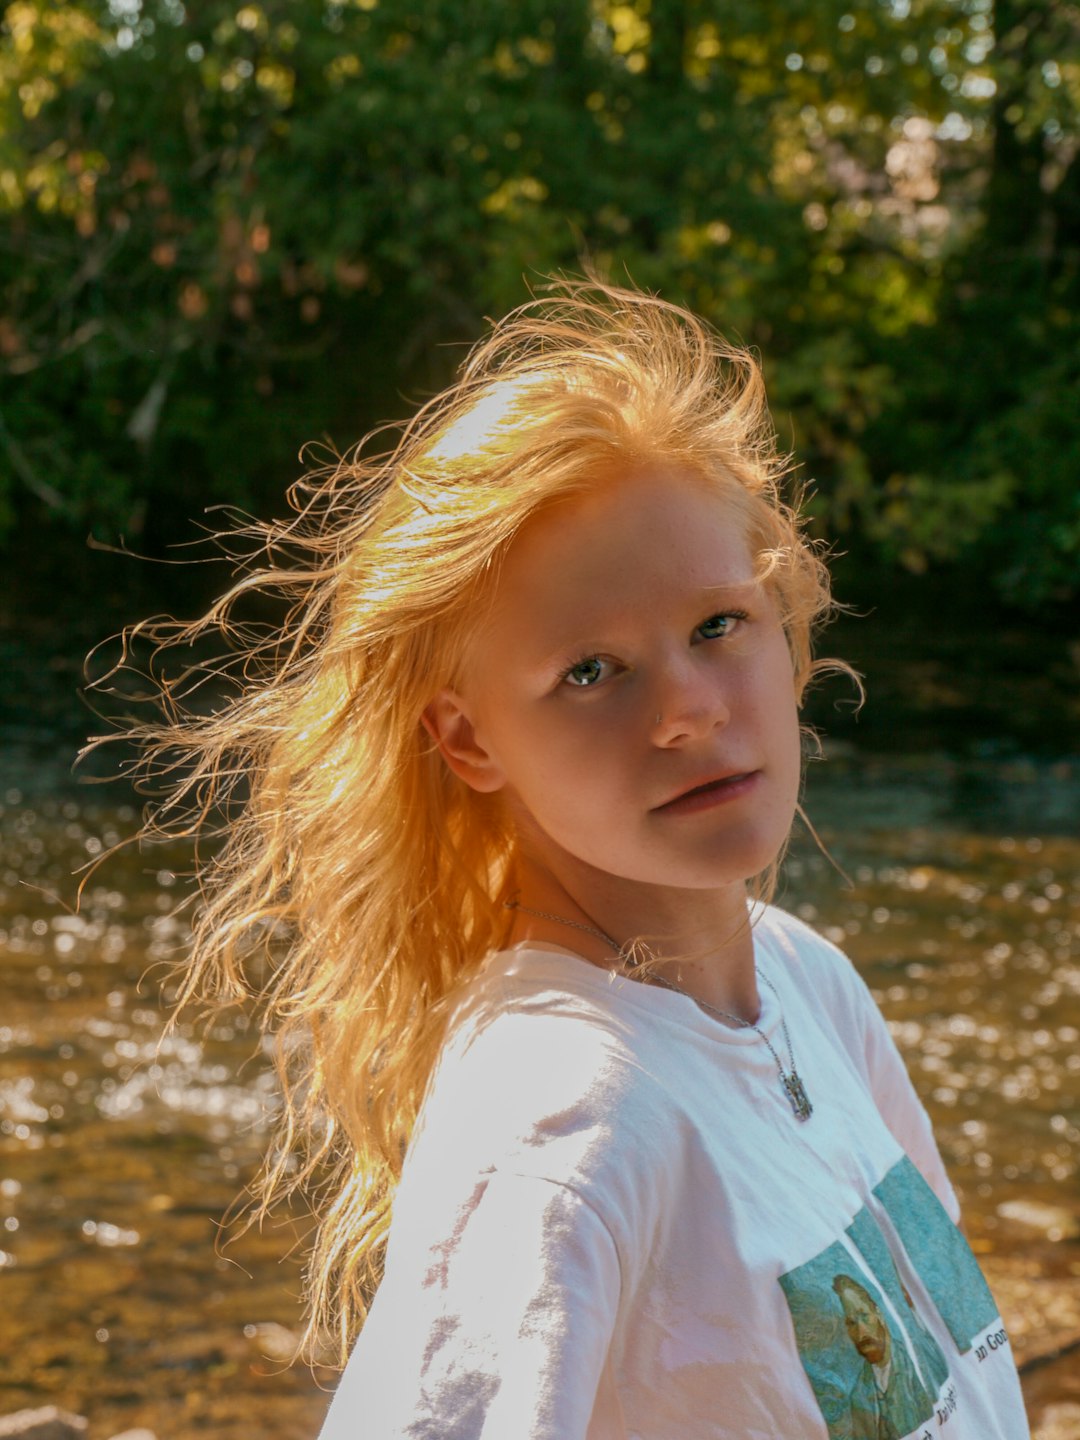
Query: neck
(699, 940)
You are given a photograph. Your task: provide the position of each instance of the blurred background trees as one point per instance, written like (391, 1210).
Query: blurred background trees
(229, 228)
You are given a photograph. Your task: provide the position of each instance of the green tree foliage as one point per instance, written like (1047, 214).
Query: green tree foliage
(228, 228)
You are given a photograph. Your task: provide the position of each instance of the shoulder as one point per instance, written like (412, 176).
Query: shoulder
(798, 945)
(544, 1076)
(540, 1053)
(796, 934)
(815, 966)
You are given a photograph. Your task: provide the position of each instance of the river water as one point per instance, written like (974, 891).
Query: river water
(953, 881)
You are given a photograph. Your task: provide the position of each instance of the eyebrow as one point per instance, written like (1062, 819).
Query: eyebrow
(735, 587)
(725, 590)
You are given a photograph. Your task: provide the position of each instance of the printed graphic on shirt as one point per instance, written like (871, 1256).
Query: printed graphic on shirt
(868, 1379)
(938, 1253)
(868, 1239)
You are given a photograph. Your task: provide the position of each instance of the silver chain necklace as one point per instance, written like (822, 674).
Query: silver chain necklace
(789, 1079)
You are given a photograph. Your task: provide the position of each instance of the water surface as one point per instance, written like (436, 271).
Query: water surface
(120, 1151)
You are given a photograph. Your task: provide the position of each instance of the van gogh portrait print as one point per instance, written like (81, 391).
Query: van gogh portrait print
(855, 1350)
(873, 1361)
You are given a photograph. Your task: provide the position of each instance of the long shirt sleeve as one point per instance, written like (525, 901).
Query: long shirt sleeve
(496, 1324)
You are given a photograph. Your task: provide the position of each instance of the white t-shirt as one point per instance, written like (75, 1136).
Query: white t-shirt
(612, 1226)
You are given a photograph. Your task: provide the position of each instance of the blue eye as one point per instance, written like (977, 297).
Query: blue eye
(585, 673)
(716, 626)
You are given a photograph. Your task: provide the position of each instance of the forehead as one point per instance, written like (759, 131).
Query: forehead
(657, 537)
(854, 1303)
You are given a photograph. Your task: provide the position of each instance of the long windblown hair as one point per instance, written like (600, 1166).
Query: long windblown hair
(351, 885)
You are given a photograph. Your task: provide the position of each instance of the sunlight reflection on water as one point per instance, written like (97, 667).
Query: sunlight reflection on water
(121, 1148)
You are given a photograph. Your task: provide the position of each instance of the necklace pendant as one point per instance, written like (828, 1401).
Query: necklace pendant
(796, 1094)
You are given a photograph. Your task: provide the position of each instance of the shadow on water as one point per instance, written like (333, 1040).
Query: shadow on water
(950, 804)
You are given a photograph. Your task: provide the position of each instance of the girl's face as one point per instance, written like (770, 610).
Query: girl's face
(632, 693)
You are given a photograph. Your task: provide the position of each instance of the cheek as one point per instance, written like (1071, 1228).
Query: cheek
(572, 766)
(569, 775)
(541, 755)
(772, 709)
(561, 735)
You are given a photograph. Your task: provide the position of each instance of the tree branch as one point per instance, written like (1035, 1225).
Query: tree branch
(26, 472)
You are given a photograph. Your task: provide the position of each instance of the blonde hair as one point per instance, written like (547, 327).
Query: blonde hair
(358, 884)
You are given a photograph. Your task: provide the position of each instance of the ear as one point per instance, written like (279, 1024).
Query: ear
(447, 721)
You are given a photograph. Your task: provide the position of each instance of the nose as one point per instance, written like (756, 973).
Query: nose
(688, 703)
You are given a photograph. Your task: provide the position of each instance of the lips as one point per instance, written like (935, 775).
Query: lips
(716, 786)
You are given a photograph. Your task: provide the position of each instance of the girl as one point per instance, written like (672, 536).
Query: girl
(653, 1163)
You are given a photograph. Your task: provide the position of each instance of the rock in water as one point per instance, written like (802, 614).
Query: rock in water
(1055, 1221)
(48, 1423)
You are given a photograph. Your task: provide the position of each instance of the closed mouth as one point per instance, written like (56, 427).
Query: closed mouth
(715, 784)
